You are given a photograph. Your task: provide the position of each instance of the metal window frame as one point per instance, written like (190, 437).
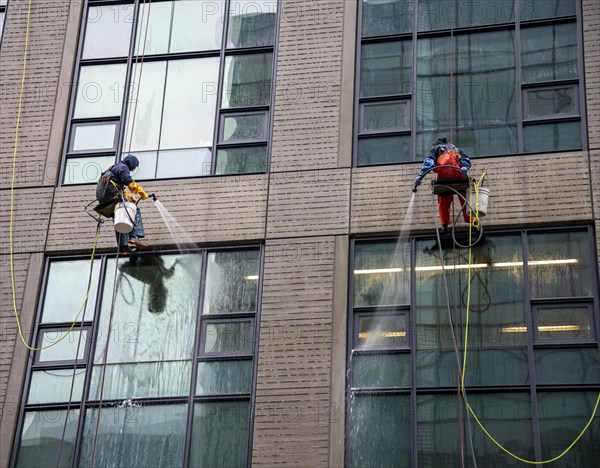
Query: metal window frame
(75, 125)
(224, 115)
(527, 119)
(222, 321)
(383, 131)
(85, 403)
(62, 330)
(383, 312)
(515, 25)
(129, 61)
(589, 305)
(530, 304)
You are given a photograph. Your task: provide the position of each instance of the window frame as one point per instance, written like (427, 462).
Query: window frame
(93, 340)
(536, 305)
(519, 87)
(222, 53)
(529, 313)
(566, 117)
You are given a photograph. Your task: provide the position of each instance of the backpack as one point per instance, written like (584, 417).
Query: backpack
(105, 189)
(450, 157)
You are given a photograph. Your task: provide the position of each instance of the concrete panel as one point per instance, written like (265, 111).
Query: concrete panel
(297, 333)
(308, 203)
(591, 50)
(527, 190)
(31, 216)
(47, 29)
(308, 79)
(217, 209)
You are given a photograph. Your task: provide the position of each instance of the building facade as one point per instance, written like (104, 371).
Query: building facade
(296, 307)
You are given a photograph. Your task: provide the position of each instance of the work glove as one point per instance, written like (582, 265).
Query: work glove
(130, 197)
(418, 181)
(464, 170)
(137, 188)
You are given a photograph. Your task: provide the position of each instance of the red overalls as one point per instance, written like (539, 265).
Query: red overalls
(450, 158)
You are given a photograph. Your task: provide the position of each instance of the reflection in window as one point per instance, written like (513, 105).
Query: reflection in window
(108, 31)
(231, 282)
(562, 417)
(545, 137)
(54, 386)
(66, 290)
(549, 53)
(252, 23)
(382, 330)
(531, 306)
(387, 17)
(70, 348)
(135, 436)
(443, 14)
(247, 80)
(466, 83)
(381, 274)
(100, 91)
(172, 100)
(381, 371)
(564, 323)
(538, 9)
(220, 434)
(42, 438)
(159, 340)
(228, 337)
(224, 377)
(380, 431)
(386, 69)
(242, 160)
(559, 265)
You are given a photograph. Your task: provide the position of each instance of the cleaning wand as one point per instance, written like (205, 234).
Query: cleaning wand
(153, 196)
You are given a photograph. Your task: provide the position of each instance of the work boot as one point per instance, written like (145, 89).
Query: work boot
(125, 251)
(136, 242)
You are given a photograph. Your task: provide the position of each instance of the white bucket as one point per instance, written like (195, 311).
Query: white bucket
(482, 200)
(124, 216)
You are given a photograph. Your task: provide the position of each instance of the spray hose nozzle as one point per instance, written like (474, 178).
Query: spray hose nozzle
(153, 196)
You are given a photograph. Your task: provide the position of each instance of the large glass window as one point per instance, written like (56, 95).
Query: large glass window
(533, 306)
(151, 365)
(160, 79)
(458, 72)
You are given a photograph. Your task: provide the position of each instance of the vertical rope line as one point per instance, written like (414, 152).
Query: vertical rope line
(89, 286)
(105, 359)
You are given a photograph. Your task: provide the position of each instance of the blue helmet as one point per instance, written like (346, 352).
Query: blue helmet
(131, 161)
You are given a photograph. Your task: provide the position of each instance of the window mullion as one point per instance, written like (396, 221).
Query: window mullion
(90, 360)
(219, 100)
(127, 84)
(529, 320)
(196, 353)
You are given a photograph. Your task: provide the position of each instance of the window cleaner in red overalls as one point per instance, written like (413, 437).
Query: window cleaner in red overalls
(452, 166)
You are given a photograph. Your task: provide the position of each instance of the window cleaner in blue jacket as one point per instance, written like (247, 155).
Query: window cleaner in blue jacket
(111, 187)
(452, 166)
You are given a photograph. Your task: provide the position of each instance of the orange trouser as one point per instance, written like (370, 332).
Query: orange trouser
(444, 204)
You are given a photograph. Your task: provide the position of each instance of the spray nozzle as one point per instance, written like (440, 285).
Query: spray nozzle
(154, 197)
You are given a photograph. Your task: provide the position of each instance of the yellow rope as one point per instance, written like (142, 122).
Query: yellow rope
(464, 364)
(12, 205)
